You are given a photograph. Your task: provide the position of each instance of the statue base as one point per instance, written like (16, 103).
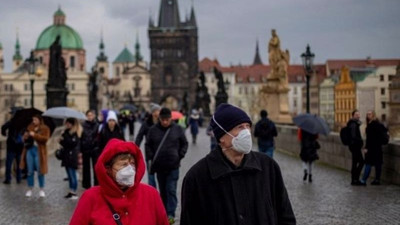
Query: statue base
(56, 97)
(274, 98)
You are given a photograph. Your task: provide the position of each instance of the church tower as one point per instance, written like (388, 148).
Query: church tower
(17, 58)
(174, 57)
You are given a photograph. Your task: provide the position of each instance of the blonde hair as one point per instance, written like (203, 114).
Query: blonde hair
(76, 127)
(373, 116)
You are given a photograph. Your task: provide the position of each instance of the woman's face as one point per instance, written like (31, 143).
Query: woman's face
(120, 164)
(111, 124)
(68, 125)
(35, 121)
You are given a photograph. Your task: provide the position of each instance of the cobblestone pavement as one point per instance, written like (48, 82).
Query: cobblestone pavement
(328, 200)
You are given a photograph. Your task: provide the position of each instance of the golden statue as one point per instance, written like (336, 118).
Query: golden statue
(278, 60)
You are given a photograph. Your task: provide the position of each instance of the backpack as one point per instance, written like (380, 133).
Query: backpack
(345, 136)
(385, 136)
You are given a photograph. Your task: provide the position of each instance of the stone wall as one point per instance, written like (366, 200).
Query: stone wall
(333, 153)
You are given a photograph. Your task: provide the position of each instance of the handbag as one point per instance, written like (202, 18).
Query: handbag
(151, 170)
(59, 153)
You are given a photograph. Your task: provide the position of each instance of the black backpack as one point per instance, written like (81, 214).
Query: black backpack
(264, 129)
(345, 136)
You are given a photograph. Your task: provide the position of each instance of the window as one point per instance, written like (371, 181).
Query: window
(383, 91)
(26, 87)
(381, 77)
(26, 102)
(383, 104)
(6, 87)
(391, 77)
(72, 61)
(11, 87)
(41, 60)
(240, 90)
(295, 90)
(72, 86)
(117, 71)
(383, 117)
(294, 103)
(6, 102)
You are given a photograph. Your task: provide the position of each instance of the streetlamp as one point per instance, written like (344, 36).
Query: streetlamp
(31, 66)
(308, 58)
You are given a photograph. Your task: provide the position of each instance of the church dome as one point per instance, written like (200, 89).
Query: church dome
(70, 39)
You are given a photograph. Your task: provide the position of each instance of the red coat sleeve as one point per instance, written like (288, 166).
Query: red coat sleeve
(82, 211)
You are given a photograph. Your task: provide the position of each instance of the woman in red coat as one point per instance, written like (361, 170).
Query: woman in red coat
(119, 170)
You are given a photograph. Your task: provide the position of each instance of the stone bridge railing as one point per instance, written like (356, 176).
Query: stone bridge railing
(333, 153)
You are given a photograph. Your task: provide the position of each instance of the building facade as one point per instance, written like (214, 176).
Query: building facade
(394, 106)
(345, 99)
(174, 56)
(327, 101)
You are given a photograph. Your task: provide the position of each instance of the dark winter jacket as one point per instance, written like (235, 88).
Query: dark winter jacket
(374, 133)
(265, 131)
(356, 139)
(309, 145)
(89, 136)
(171, 152)
(194, 125)
(106, 134)
(144, 129)
(71, 145)
(214, 191)
(14, 139)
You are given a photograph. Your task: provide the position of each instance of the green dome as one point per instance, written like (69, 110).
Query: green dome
(70, 39)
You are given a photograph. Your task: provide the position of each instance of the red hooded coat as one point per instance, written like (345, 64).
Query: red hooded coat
(140, 204)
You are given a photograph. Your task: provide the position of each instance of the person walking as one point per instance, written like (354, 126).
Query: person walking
(120, 198)
(144, 129)
(356, 143)
(232, 184)
(15, 145)
(34, 153)
(308, 152)
(89, 148)
(213, 141)
(265, 131)
(110, 130)
(70, 142)
(194, 125)
(166, 145)
(373, 148)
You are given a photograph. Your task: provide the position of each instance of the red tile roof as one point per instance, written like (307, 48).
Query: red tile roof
(337, 64)
(207, 65)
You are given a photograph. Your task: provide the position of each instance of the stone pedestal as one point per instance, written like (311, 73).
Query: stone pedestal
(274, 98)
(56, 97)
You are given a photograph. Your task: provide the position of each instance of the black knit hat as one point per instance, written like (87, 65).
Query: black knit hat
(165, 113)
(227, 116)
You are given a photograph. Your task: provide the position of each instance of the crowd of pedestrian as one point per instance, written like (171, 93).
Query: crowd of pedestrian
(231, 185)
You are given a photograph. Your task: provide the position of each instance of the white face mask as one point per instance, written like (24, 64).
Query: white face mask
(126, 176)
(242, 142)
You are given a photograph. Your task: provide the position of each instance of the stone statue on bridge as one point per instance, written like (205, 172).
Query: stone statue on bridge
(278, 60)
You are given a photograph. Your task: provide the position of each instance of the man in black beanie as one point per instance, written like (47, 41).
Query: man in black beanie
(166, 145)
(234, 185)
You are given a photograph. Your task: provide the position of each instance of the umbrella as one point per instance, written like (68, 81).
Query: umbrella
(23, 117)
(129, 107)
(312, 124)
(176, 115)
(63, 113)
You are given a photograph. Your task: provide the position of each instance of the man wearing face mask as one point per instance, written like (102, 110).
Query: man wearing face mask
(234, 185)
(120, 194)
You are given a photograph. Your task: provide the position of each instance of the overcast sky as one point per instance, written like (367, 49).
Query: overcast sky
(228, 29)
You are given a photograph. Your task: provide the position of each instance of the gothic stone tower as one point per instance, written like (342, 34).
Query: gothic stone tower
(174, 56)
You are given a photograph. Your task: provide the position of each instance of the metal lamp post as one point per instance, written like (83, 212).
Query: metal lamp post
(31, 66)
(308, 58)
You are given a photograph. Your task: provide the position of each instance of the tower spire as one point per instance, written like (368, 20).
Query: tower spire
(192, 16)
(17, 54)
(138, 56)
(169, 14)
(102, 56)
(257, 58)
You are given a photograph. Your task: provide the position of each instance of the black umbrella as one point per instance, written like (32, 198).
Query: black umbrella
(23, 117)
(129, 107)
(312, 124)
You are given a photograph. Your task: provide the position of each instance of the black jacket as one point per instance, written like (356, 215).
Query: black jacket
(356, 139)
(373, 143)
(171, 152)
(14, 139)
(71, 145)
(144, 129)
(89, 136)
(106, 134)
(214, 191)
(309, 145)
(265, 131)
